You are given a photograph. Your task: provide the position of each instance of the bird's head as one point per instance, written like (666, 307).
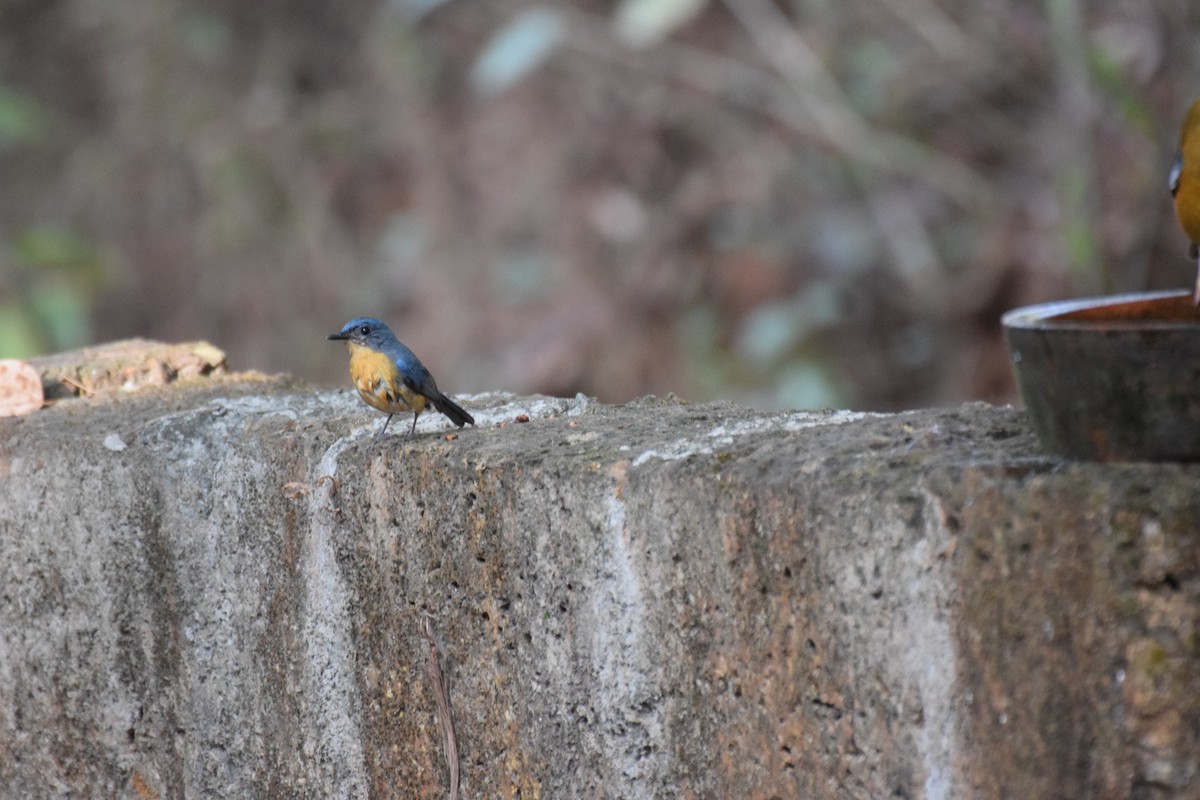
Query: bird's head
(366, 331)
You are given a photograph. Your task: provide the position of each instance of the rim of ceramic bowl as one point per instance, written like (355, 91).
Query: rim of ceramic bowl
(1050, 316)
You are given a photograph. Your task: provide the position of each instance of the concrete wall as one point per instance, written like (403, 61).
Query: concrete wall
(213, 589)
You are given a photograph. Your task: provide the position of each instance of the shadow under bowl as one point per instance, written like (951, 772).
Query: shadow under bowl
(1111, 378)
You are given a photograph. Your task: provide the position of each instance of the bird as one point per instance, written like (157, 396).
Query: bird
(1184, 182)
(389, 377)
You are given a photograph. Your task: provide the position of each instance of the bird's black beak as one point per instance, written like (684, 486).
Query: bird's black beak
(337, 337)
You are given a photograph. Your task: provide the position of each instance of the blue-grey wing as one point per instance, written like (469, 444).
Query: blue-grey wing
(415, 376)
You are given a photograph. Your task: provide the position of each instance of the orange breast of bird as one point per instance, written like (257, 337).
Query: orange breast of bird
(379, 382)
(1187, 184)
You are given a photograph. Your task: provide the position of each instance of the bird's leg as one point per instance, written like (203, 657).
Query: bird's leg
(379, 435)
(1194, 252)
(413, 429)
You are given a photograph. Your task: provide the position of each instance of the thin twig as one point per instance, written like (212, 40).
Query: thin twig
(433, 670)
(86, 391)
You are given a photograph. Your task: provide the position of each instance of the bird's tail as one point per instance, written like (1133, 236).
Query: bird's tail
(453, 410)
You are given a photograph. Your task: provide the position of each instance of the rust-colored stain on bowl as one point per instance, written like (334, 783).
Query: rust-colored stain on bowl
(1111, 378)
(1159, 307)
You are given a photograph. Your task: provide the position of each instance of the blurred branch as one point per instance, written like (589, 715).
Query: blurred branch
(822, 113)
(1078, 181)
(902, 229)
(928, 21)
(805, 98)
(825, 102)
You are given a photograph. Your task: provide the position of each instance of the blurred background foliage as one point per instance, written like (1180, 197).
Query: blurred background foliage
(790, 204)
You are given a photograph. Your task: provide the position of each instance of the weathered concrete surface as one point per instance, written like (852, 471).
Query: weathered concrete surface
(212, 589)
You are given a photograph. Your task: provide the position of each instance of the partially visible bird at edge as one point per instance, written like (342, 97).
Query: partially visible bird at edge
(1184, 181)
(390, 377)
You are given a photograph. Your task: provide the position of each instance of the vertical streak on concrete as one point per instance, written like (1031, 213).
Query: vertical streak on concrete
(335, 740)
(929, 658)
(630, 710)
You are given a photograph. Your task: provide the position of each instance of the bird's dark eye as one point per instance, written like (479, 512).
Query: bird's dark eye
(365, 330)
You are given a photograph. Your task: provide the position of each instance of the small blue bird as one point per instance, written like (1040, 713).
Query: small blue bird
(390, 377)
